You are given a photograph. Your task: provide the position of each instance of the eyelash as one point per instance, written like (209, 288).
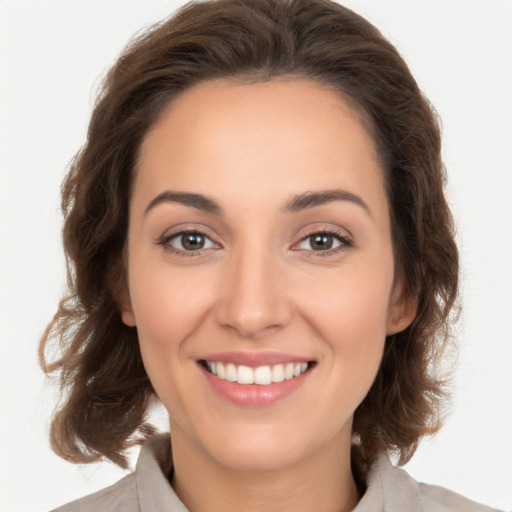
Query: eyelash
(165, 243)
(345, 243)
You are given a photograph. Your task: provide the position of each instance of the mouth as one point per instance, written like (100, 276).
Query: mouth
(263, 375)
(255, 380)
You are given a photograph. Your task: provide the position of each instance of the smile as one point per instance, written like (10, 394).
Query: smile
(260, 375)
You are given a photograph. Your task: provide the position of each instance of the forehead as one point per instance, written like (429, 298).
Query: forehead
(267, 137)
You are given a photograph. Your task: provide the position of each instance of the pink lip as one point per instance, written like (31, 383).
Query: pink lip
(253, 360)
(254, 395)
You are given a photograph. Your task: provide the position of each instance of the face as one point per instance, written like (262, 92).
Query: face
(260, 270)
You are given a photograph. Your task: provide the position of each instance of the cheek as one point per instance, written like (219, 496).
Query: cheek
(167, 307)
(166, 304)
(349, 311)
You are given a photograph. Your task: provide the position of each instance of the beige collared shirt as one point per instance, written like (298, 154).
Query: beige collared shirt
(389, 489)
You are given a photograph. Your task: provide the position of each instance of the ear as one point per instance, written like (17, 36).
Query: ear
(402, 310)
(117, 282)
(127, 315)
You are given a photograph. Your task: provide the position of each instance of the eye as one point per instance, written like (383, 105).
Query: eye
(188, 241)
(324, 242)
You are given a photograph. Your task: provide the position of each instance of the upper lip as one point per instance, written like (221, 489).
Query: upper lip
(255, 359)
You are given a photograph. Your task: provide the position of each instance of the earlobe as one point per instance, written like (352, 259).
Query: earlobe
(125, 307)
(402, 311)
(128, 317)
(116, 279)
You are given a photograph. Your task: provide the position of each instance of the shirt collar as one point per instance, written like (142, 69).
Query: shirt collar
(388, 489)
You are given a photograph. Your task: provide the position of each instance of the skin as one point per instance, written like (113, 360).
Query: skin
(258, 285)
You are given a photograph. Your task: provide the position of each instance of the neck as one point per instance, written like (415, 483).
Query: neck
(323, 478)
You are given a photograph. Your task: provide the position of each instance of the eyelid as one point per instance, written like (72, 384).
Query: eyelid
(165, 242)
(346, 242)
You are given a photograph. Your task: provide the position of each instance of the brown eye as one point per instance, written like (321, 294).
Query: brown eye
(192, 241)
(189, 241)
(321, 242)
(324, 242)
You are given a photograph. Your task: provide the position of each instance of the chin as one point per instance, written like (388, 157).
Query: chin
(266, 447)
(255, 456)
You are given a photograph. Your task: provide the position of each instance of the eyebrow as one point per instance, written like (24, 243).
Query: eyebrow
(312, 199)
(298, 203)
(198, 201)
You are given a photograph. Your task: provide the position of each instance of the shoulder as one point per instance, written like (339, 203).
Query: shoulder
(439, 499)
(392, 488)
(122, 496)
(148, 488)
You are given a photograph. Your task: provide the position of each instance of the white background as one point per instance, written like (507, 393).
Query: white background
(52, 55)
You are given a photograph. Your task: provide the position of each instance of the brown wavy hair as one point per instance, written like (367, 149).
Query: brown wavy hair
(105, 391)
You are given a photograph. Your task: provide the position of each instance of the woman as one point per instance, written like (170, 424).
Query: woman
(258, 236)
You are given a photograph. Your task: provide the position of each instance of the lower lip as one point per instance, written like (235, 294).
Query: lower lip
(254, 395)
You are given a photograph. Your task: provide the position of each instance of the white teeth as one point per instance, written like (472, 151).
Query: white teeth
(231, 372)
(262, 375)
(288, 371)
(212, 367)
(245, 375)
(278, 373)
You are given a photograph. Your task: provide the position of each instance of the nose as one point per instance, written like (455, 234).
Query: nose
(253, 296)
